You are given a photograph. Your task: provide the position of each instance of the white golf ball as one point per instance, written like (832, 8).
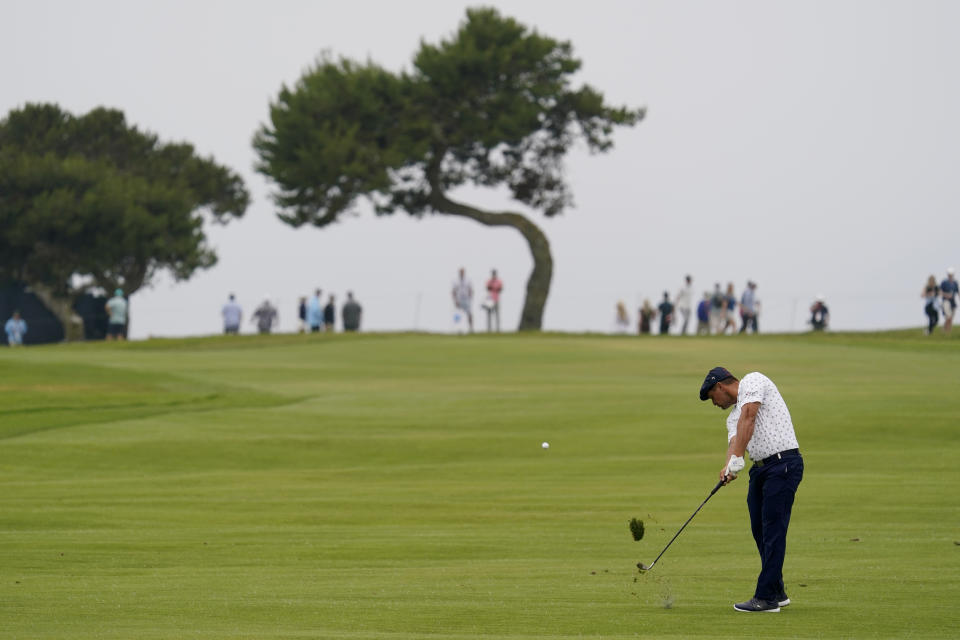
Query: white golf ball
(545, 445)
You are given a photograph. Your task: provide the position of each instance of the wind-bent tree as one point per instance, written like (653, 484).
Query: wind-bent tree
(90, 201)
(491, 106)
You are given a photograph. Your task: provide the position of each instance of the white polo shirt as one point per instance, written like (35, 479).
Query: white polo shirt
(773, 429)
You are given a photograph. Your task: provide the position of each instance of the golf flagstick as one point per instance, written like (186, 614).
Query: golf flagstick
(645, 567)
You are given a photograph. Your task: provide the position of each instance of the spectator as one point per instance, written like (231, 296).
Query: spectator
(232, 314)
(749, 307)
(729, 310)
(718, 306)
(492, 304)
(666, 314)
(703, 315)
(16, 328)
(117, 311)
(351, 313)
(463, 297)
(930, 297)
(948, 299)
(684, 302)
(623, 319)
(329, 314)
(647, 313)
(819, 314)
(315, 312)
(265, 316)
(302, 315)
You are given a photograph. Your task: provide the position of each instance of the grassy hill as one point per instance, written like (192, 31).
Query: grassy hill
(394, 486)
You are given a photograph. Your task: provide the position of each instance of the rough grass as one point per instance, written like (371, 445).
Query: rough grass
(393, 486)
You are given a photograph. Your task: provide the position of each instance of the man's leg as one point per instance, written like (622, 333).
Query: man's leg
(778, 491)
(755, 506)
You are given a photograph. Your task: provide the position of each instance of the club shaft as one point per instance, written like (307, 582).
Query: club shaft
(719, 484)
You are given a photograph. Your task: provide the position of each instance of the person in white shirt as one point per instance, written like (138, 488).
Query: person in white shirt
(463, 296)
(684, 303)
(760, 425)
(232, 314)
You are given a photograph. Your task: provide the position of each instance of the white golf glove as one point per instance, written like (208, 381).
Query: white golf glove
(734, 466)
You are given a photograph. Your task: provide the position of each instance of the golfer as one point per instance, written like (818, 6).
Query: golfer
(760, 424)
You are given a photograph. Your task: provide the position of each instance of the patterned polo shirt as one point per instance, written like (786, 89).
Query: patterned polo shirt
(773, 429)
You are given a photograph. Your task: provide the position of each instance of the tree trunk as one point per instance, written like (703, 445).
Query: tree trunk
(538, 284)
(62, 308)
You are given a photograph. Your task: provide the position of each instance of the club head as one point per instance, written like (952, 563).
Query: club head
(644, 567)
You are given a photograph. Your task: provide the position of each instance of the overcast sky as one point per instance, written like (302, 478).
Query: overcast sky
(809, 146)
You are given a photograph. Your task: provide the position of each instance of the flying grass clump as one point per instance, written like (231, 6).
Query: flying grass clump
(636, 528)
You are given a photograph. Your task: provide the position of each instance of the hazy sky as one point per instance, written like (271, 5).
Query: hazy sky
(809, 146)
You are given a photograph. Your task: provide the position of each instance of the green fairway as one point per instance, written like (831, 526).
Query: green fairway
(394, 486)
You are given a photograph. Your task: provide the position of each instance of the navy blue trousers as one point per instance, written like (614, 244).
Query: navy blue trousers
(770, 500)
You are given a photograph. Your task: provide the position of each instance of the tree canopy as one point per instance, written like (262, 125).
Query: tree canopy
(94, 197)
(491, 106)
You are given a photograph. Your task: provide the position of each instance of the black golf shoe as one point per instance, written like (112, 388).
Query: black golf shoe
(783, 600)
(756, 605)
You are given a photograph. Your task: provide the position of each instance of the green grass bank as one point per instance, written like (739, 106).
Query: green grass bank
(394, 487)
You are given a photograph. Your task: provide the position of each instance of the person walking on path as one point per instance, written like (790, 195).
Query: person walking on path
(760, 424)
(232, 314)
(315, 312)
(463, 296)
(729, 310)
(329, 314)
(819, 314)
(351, 313)
(15, 328)
(666, 314)
(749, 308)
(684, 304)
(494, 287)
(718, 307)
(703, 315)
(117, 312)
(948, 299)
(265, 316)
(646, 314)
(931, 295)
(621, 320)
(302, 315)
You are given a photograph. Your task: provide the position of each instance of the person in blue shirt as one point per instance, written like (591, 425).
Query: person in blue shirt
(117, 311)
(948, 299)
(703, 315)
(315, 312)
(16, 328)
(232, 315)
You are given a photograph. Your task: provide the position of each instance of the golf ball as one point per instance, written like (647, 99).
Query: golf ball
(545, 445)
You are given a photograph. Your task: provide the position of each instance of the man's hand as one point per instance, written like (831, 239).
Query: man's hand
(734, 466)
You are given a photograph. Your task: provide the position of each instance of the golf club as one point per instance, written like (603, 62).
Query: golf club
(647, 567)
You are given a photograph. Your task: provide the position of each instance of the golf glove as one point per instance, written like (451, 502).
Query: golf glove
(734, 466)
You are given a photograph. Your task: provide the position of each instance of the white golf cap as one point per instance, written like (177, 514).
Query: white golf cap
(819, 297)
(950, 271)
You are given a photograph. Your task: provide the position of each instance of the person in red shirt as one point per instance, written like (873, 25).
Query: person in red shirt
(492, 303)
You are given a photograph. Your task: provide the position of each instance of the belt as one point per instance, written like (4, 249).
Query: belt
(789, 453)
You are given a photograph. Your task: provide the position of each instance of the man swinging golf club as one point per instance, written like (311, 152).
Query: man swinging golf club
(760, 424)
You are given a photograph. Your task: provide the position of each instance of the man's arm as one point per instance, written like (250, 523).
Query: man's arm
(738, 443)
